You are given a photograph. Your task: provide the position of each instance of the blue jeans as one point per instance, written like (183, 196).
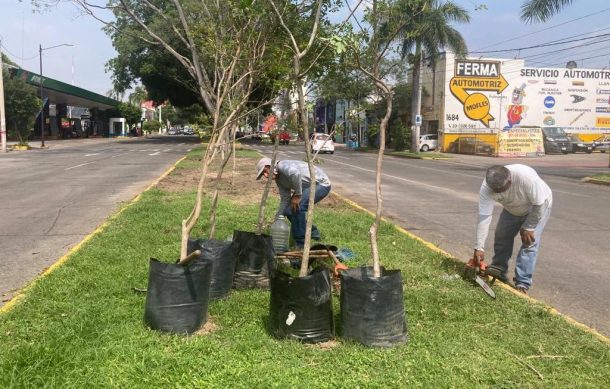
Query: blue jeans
(508, 227)
(298, 219)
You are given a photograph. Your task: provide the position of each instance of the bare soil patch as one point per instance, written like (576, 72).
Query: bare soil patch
(238, 186)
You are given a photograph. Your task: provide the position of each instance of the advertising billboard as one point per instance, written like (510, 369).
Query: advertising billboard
(497, 95)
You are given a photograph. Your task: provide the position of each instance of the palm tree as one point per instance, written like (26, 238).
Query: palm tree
(542, 10)
(138, 96)
(427, 34)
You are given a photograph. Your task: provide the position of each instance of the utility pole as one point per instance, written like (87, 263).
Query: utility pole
(41, 98)
(415, 137)
(2, 115)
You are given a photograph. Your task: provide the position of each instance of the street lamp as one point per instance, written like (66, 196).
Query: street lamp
(40, 50)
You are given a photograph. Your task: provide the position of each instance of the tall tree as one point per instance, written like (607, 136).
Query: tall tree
(427, 32)
(533, 11)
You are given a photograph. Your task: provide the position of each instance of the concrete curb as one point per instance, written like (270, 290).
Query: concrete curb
(22, 293)
(506, 287)
(596, 181)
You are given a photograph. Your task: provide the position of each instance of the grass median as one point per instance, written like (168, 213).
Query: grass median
(81, 325)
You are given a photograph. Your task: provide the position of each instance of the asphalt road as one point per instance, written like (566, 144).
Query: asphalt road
(437, 200)
(51, 199)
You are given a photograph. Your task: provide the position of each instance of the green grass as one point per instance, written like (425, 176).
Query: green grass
(81, 326)
(601, 177)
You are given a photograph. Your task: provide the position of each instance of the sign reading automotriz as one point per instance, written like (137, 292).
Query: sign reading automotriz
(497, 95)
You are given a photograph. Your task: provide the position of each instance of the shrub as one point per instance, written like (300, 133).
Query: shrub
(151, 126)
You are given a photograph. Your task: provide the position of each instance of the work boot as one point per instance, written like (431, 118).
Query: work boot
(497, 273)
(521, 288)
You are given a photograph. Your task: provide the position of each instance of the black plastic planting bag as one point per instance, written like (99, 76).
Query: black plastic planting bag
(177, 296)
(372, 309)
(301, 307)
(255, 259)
(223, 256)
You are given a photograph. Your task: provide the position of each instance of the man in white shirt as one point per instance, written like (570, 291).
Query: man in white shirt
(527, 202)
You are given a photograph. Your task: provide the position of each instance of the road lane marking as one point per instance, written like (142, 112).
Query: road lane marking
(157, 153)
(89, 155)
(466, 196)
(82, 164)
(166, 150)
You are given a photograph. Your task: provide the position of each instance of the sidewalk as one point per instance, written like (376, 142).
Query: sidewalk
(50, 143)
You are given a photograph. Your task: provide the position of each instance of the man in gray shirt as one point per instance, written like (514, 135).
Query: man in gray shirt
(527, 202)
(293, 181)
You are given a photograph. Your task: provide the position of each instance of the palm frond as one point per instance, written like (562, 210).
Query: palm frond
(541, 10)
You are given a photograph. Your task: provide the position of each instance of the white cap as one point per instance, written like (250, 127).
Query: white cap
(260, 166)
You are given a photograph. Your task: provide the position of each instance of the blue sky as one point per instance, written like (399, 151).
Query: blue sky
(495, 28)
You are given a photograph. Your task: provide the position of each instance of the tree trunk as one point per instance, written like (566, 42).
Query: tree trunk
(261, 209)
(312, 171)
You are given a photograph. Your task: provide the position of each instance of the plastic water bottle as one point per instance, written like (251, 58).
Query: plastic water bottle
(280, 234)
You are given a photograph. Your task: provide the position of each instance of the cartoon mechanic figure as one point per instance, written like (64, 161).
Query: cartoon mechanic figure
(516, 110)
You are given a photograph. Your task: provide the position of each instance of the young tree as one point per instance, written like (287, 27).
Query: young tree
(370, 48)
(222, 45)
(300, 49)
(21, 105)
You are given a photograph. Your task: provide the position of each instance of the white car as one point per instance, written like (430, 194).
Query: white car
(322, 143)
(428, 142)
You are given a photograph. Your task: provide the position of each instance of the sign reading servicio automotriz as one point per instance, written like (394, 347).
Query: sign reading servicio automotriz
(471, 78)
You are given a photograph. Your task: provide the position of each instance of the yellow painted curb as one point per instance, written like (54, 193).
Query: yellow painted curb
(596, 181)
(437, 249)
(23, 292)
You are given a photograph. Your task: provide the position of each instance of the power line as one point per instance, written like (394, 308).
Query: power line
(547, 28)
(552, 43)
(565, 49)
(16, 56)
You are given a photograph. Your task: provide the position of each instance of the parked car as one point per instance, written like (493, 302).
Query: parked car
(260, 136)
(578, 145)
(428, 142)
(556, 140)
(602, 143)
(322, 143)
(172, 131)
(470, 145)
(188, 131)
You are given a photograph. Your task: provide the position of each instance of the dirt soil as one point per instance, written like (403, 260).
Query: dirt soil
(238, 186)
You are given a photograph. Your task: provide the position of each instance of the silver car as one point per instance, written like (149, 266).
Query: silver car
(602, 143)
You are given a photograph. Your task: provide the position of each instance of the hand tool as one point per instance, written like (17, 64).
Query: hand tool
(478, 267)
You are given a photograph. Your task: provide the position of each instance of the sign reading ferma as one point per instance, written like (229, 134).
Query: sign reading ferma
(477, 69)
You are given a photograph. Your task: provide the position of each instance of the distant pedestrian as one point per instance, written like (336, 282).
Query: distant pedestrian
(293, 181)
(527, 202)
